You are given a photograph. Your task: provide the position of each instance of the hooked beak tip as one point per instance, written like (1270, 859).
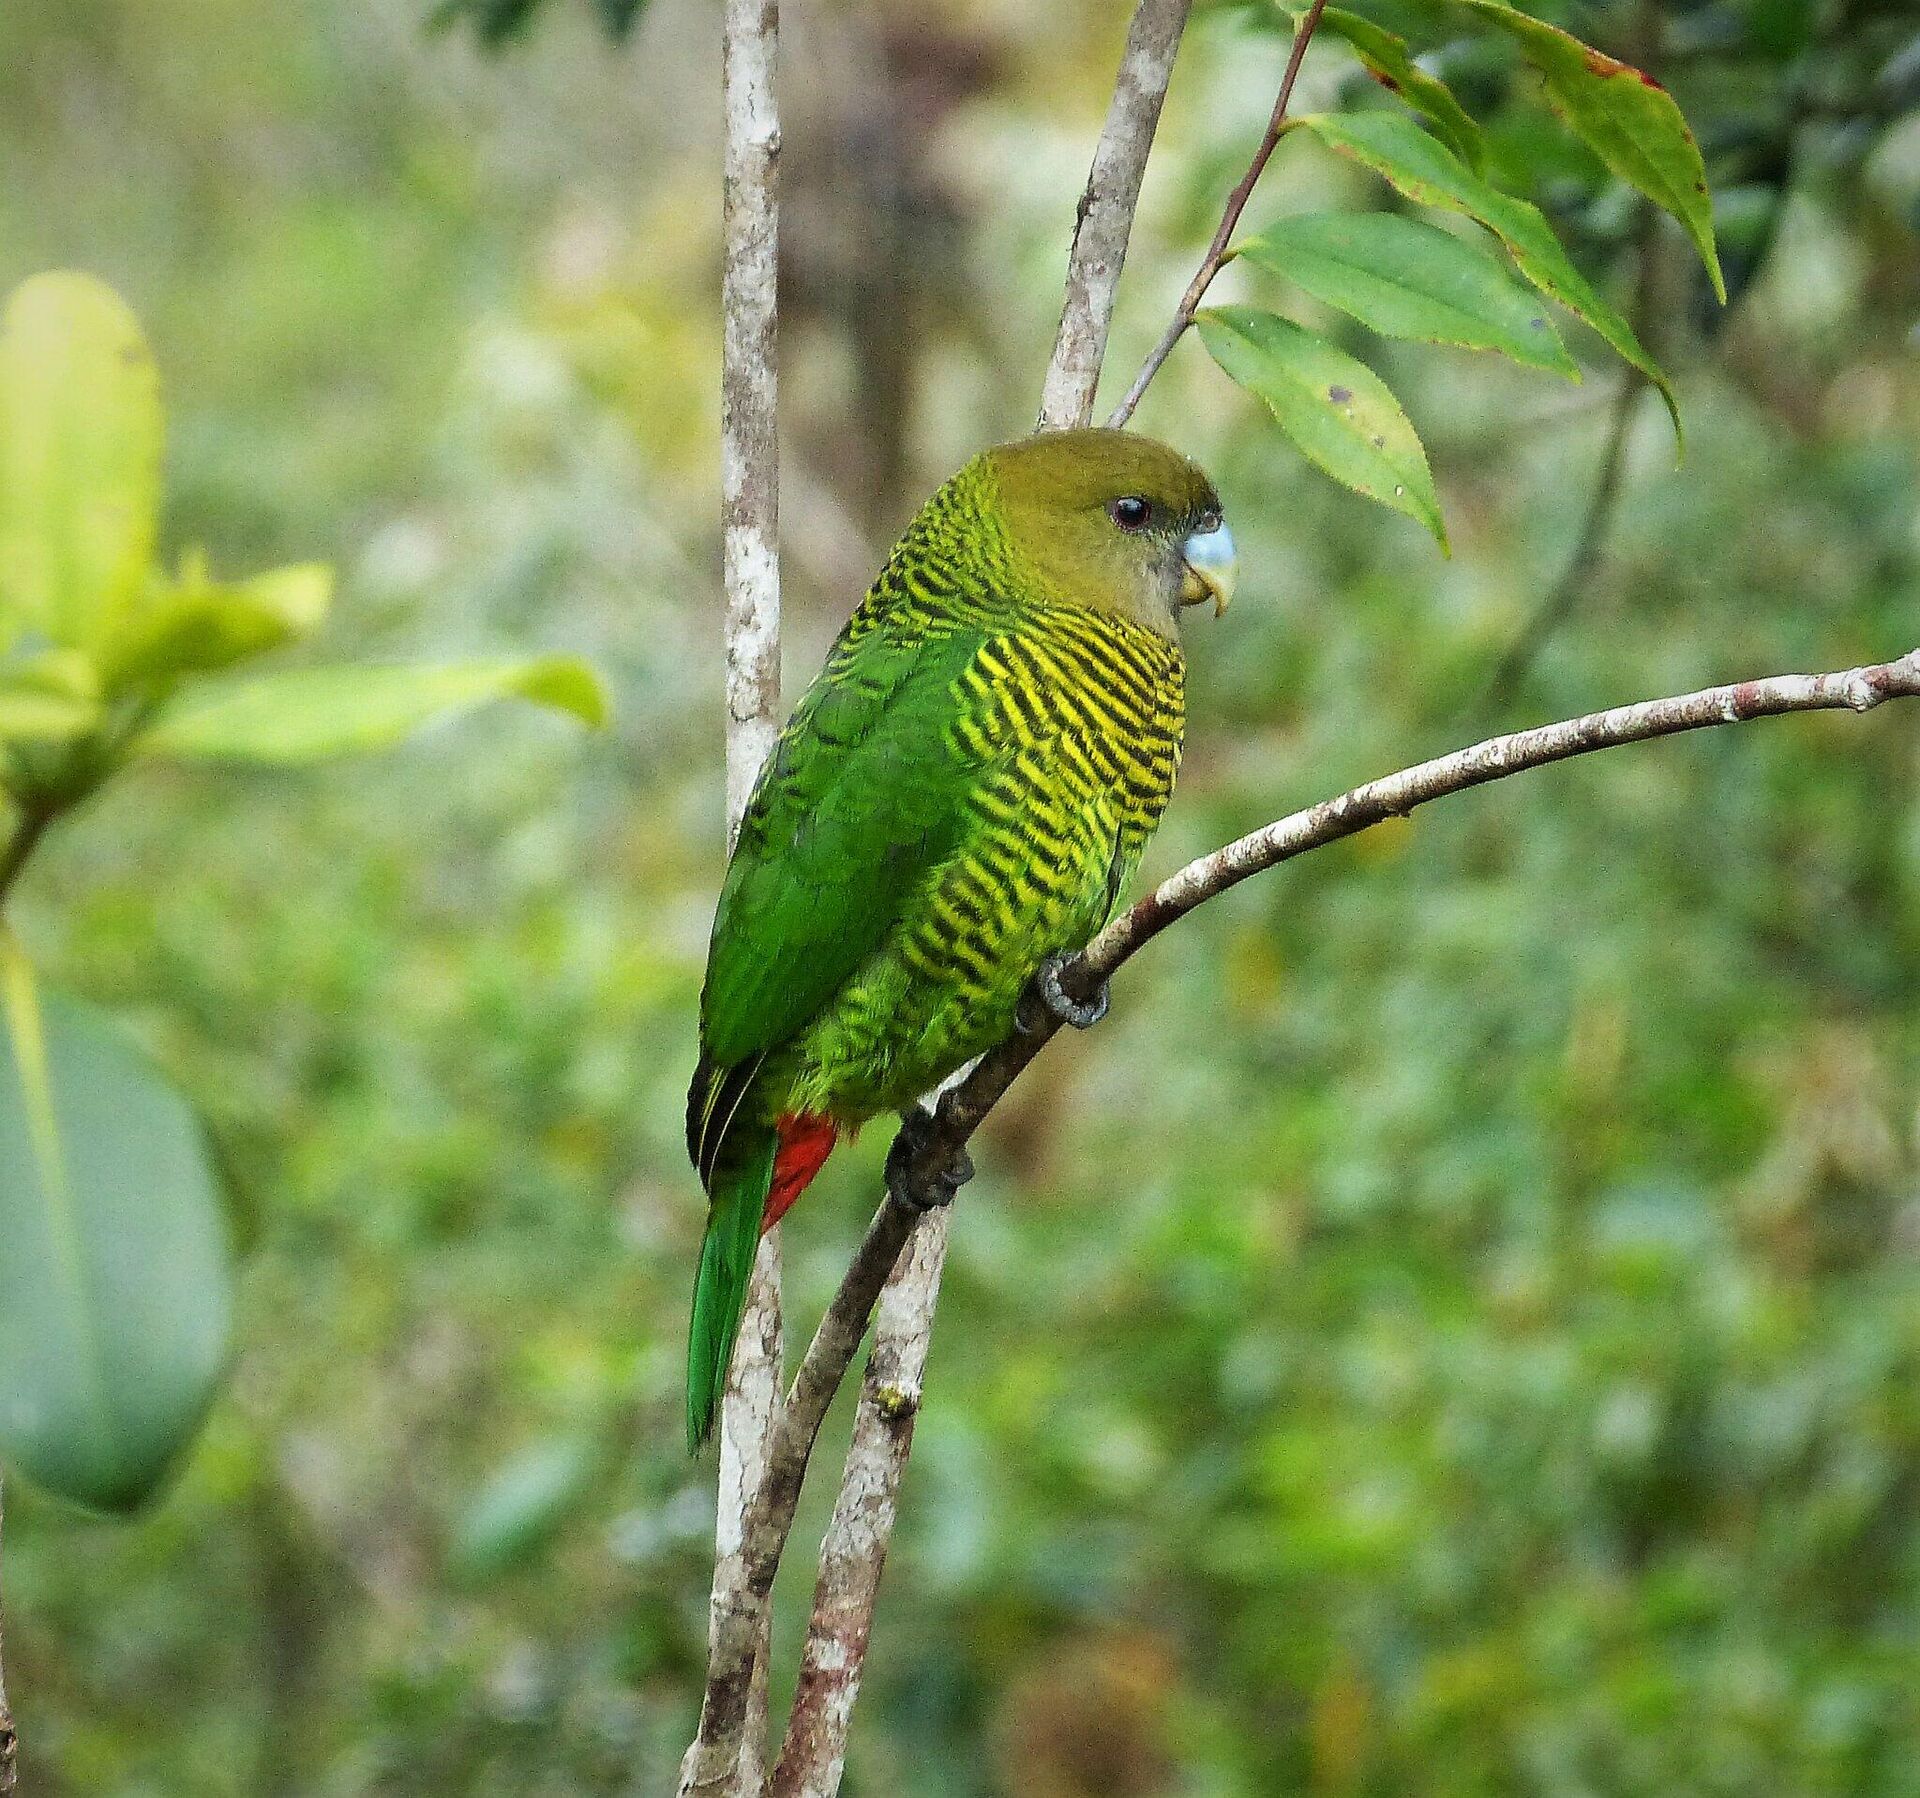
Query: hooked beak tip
(1210, 569)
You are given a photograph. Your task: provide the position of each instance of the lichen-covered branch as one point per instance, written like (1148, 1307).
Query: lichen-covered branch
(1105, 217)
(962, 1109)
(855, 1551)
(1216, 256)
(727, 1757)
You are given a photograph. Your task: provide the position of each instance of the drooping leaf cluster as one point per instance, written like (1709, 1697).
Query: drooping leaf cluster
(1402, 278)
(115, 1287)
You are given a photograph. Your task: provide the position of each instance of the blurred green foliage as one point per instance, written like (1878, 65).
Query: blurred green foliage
(1454, 1329)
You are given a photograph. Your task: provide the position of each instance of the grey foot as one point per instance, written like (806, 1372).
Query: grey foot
(1067, 1009)
(912, 1187)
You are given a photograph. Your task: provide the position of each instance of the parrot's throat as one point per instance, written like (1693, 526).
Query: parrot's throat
(805, 1143)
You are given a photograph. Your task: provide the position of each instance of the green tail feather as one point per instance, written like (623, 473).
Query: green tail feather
(737, 1199)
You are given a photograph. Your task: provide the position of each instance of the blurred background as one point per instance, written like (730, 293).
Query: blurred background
(1455, 1329)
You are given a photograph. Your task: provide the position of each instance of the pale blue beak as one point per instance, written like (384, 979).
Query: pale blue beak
(1212, 567)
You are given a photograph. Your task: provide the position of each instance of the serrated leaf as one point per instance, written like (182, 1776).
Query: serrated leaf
(1407, 279)
(1428, 173)
(1337, 410)
(80, 440)
(1386, 57)
(309, 714)
(115, 1287)
(198, 626)
(1625, 116)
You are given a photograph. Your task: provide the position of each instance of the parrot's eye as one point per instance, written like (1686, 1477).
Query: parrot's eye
(1131, 513)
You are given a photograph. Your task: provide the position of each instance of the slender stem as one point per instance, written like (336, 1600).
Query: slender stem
(1216, 256)
(1104, 220)
(727, 1757)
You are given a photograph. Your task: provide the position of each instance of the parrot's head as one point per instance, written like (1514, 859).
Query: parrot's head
(1114, 522)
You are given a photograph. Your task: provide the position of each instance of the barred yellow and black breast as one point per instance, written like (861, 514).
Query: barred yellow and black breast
(1070, 720)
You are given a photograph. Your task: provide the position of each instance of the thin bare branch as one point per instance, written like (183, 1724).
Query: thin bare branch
(962, 1109)
(1216, 256)
(855, 1551)
(1105, 217)
(727, 1759)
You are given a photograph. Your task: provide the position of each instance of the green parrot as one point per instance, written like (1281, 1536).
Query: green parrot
(952, 810)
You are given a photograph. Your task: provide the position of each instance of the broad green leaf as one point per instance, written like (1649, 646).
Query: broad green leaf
(195, 625)
(1385, 56)
(1336, 409)
(1428, 173)
(51, 697)
(1403, 278)
(1626, 117)
(308, 714)
(80, 438)
(115, 1289)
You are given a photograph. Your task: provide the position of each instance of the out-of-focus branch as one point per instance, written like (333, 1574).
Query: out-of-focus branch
(962, 1109)
(1583, 561)
(855, 1551)
(8, 1774)
(727, 1759)
(1105, 218)
(1216, 256)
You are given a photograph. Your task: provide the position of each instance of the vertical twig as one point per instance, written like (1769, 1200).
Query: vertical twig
(750, 487)
(855, 1551)
(1105, 217)
(1216, 256)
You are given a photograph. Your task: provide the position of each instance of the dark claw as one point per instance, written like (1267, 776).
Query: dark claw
(1067, 1009)
(923, 1193)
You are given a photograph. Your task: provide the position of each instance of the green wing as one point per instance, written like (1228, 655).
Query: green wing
(865, 791)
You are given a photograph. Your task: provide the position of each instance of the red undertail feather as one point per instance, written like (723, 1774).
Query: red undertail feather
(805, 1143)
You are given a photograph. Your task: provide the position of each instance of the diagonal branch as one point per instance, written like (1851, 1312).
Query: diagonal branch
(1216, 256)
(961, 1110)
(732, 1765)
(1105, 217)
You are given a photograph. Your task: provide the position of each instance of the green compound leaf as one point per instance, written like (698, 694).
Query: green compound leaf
(1403, 278)
(1386, 57)
(1336, 409)
(115, 1288)
(1428, 173)
(1626, 117)
(80, 439)
(310, 714)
